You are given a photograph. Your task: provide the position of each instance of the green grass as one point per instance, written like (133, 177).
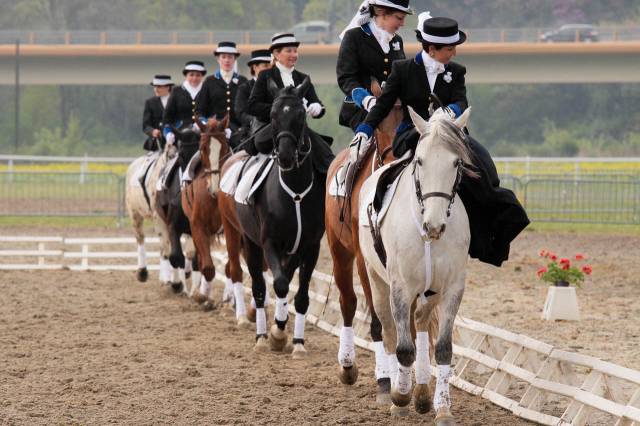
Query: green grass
(584, 228)
(63, 222)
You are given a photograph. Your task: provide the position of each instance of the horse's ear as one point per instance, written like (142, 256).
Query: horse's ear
(462, 121)
(201, 126)
(224, 123)
(301, 89)
(421, 124)
(273, 88)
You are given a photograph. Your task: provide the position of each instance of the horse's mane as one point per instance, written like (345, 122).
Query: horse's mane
(446, 133)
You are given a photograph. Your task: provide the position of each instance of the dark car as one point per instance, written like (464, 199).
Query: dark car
(571, 33)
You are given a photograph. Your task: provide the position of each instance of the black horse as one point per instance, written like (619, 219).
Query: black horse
(285, 222)
(169, 202)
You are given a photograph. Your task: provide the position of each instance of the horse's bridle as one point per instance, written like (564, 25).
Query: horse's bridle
(451, 197)
(216, 171)
(301, 155)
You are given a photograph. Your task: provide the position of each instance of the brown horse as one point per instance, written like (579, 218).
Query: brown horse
(343, 240)
(200, 204)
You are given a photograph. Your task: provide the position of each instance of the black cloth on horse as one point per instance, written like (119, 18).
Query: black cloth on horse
(217, 98)
(360, 58)
(496, 216)
(180, 108)
(152, 120)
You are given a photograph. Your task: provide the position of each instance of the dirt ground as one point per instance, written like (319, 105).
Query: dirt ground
(97, 348)
(94, 348)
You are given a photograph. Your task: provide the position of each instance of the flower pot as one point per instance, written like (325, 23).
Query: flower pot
(561, 304)
(561, 284)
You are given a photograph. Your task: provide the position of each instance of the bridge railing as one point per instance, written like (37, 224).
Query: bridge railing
(116, 37)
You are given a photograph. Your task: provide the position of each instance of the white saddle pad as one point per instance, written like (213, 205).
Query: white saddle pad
(246, 187)
(336, 188)
(229, 181)
(369, 191)
(165, 172)
(149, 160)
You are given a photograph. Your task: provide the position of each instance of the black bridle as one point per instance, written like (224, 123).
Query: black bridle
(423, 197)
(301, 154)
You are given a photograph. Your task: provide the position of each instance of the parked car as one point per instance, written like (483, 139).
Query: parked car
(313, 32)
(572, 32)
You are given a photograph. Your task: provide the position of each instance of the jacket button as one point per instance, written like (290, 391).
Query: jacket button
(386, 59)
(228, 100)
(385, 73)
(193, 118)
(228, 108)
(228, 92)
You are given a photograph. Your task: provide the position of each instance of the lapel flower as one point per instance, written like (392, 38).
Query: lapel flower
(396, 45)
(235, 81)
(447, 77)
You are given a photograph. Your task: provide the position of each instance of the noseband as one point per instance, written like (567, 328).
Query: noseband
(301, 154)
(422, 198)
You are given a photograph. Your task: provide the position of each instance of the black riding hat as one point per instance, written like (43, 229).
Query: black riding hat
(161, 80)
(281, 40)
(259, 56)
(441, 31)
(194, 66)
(401, 5)
(226, 47)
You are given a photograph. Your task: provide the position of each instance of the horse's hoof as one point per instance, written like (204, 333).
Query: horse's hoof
(177, 287)
(262, 345)
(199, 298)
(399, 399)
(244, 323)
(251, 314)
(399, 411)
(422, 399)
(299, 351)
(277, 338)
(208, 306)
(444, 418)
(142, 275)
(348, 375)
(383, 396)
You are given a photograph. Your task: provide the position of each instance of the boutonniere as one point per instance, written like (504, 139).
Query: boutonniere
(447, 77)
(235, 81)
(396, 45)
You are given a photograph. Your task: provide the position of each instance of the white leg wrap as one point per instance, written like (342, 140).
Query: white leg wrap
(261, 321)
(282, 310)
(403, 383)
(165, 271)
(241, 308)
(175, 275)
(205, 287)
(253, 303)
(298, 329)
(227, 294)
(422, 364)
(188, 265)
(347, 351)
(382, 361)
(196, 281)
(142, 257)
(393, 367)
(441, 398)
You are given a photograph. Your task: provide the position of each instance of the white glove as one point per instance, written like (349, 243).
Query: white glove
(227, 133)
(358, 146)
(195, 128)
(314, 110)
(170, 138)
(305, 103)
(369, 102)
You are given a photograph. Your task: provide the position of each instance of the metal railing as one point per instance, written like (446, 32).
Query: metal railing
(115, 37)
(596, 199)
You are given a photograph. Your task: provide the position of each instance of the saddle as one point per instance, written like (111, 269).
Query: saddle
(252, 174)
(350, 179)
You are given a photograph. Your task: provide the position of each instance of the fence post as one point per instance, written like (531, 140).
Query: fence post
(121, 182)
(528, 166)
(10, 170)
(83, 169)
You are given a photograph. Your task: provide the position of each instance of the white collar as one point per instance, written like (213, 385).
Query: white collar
(383, 37)
(284, 69)
(164, 100)
(193, 91)
(286, 74)
(431, 65)
(226, 75)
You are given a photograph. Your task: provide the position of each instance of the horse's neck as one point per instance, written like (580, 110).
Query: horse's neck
(299, 179)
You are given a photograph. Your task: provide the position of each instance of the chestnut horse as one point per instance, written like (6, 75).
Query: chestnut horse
(343, 237)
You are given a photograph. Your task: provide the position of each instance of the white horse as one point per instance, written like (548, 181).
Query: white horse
(141, 207)
(420, 257)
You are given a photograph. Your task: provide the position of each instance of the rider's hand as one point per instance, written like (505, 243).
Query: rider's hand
(358, 146)
(170, 138)
(369, 102)
(227, 133)
(314, 110)
(155, 133)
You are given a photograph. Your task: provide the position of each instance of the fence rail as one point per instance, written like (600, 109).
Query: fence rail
(115, 37)
(532, 379)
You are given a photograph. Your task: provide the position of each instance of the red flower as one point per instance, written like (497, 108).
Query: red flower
(553, 256)
(543, 253)
(541, 271)
(565, 266)
(580, 256)
(565, 261)
(587, 269)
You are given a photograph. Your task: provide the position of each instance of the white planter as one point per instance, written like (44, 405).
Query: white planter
(561, 304)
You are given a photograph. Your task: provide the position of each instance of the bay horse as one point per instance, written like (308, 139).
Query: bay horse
(341, 221)
(169, 208)
(422, 259)
(140, 203)
(284, 222)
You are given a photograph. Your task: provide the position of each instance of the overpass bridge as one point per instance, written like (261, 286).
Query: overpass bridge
(488, 62)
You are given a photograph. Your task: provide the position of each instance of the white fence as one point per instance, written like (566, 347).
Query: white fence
(530, 378)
